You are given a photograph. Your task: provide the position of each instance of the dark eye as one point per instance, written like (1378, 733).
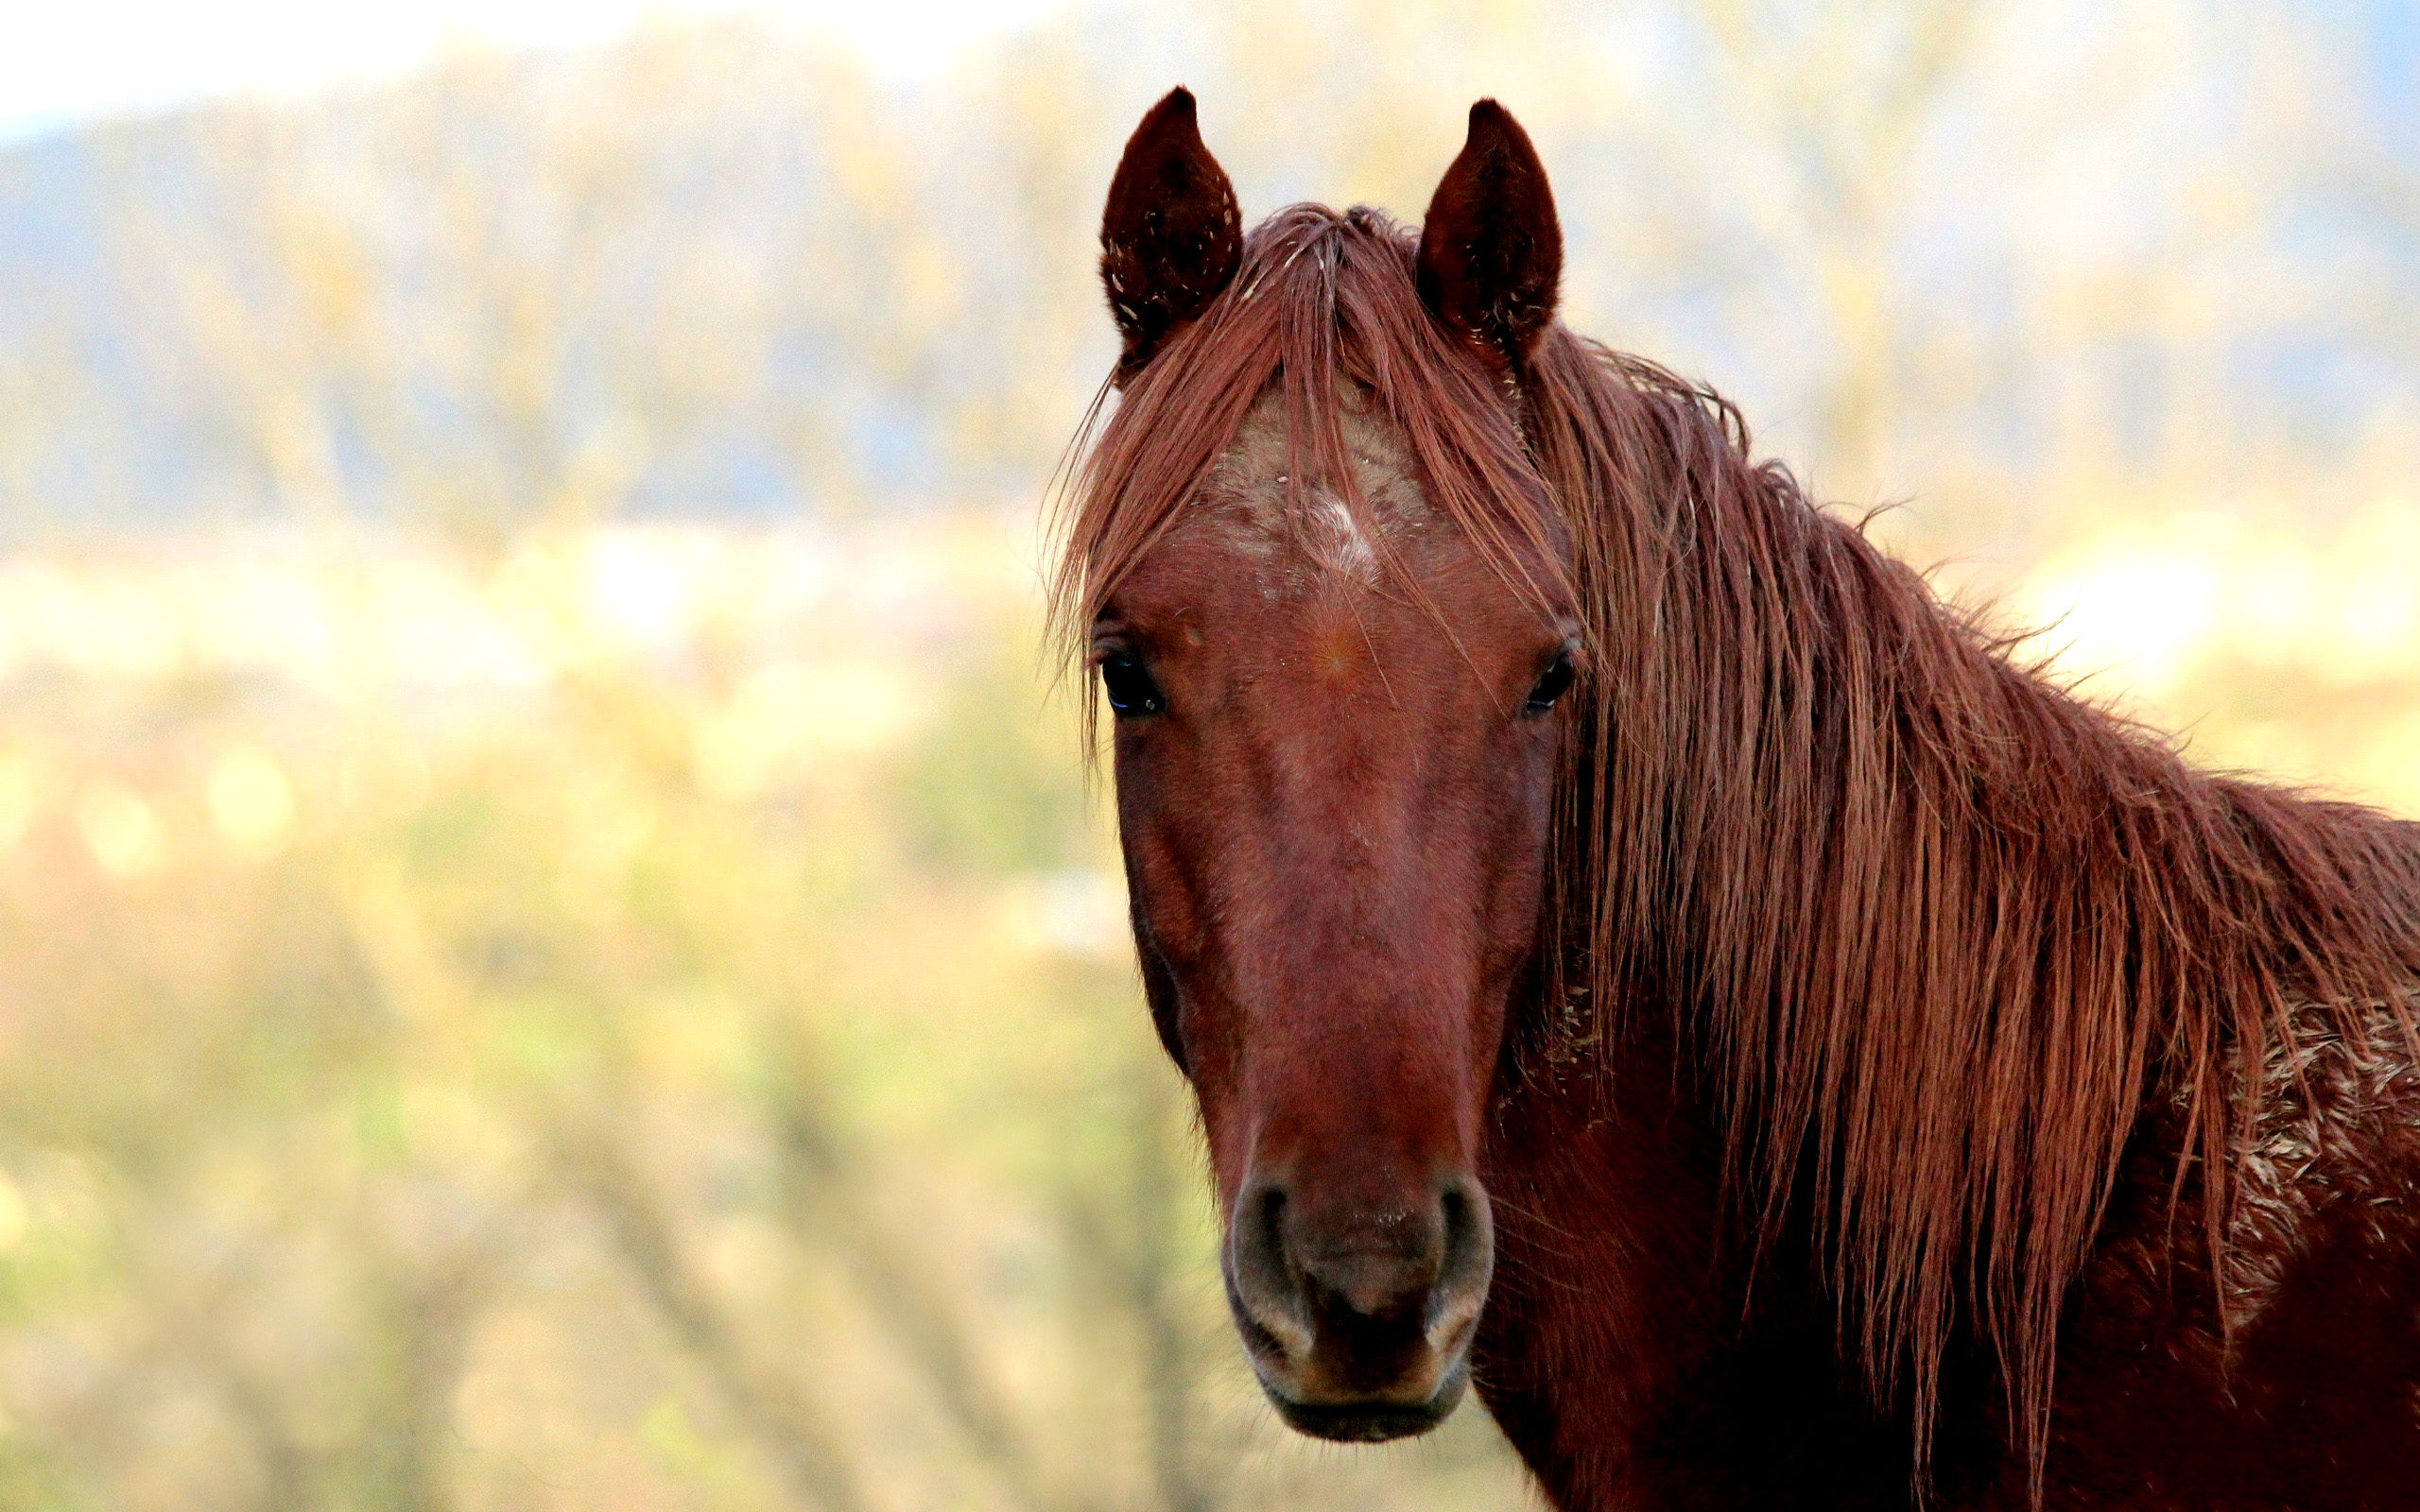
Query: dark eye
(1131, 690)
(1552, 684)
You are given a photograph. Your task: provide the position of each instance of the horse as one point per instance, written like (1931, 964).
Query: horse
(1642, 954)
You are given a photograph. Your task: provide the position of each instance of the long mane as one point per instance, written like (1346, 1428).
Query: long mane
(1937, 932)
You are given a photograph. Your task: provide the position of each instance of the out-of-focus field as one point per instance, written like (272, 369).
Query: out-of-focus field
(637, 1019)
(555, 948)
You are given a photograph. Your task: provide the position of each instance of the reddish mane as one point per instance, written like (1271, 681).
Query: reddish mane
(1936, 931)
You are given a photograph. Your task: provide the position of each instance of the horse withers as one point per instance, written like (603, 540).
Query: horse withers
(1641, 954)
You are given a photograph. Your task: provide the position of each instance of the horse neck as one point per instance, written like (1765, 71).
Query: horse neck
(1930, 927)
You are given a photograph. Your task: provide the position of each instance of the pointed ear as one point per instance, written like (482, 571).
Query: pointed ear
(1490, 253)
(1170, 238)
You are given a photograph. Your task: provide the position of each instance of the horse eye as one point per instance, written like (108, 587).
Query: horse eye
(1131, 690)
(1552, 684)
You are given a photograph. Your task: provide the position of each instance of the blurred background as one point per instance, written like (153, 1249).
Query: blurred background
(554, 953)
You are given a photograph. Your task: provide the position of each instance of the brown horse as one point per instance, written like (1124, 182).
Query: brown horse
(1640, 953)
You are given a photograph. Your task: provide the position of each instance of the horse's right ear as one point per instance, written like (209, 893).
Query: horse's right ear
(1170, 239)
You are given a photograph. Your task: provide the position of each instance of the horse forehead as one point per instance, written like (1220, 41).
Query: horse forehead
(1293, 538)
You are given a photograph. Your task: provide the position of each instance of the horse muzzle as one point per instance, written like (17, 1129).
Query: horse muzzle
(1359, 1317)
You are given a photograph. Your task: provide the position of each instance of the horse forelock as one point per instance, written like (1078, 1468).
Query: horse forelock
(1935, 928)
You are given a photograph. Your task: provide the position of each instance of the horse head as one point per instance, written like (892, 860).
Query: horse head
(1334, 662)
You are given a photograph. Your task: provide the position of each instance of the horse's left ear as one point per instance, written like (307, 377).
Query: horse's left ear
(1169, 239)
(1491, 252)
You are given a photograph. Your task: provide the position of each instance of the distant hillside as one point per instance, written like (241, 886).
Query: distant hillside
(698, 271)
(710, 270)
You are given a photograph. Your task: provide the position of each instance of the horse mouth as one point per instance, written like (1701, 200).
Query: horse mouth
(1373, 1420)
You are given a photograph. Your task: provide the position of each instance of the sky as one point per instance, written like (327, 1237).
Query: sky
(66, 64)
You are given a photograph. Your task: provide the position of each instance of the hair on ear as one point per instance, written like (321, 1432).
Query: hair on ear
(1170, 238)
(1491, 252)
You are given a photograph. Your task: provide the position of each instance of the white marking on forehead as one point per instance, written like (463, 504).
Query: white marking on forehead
(1347, 547)
(1249, 502)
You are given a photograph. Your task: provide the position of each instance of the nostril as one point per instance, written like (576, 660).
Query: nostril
(1267, 1289)
(1459, 1209)
(1268, 1223)
(1260, 1236)
(1467, 1265)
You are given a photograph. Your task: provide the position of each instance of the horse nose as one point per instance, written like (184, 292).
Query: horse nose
(1372, 1263)
(1361, 1300)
